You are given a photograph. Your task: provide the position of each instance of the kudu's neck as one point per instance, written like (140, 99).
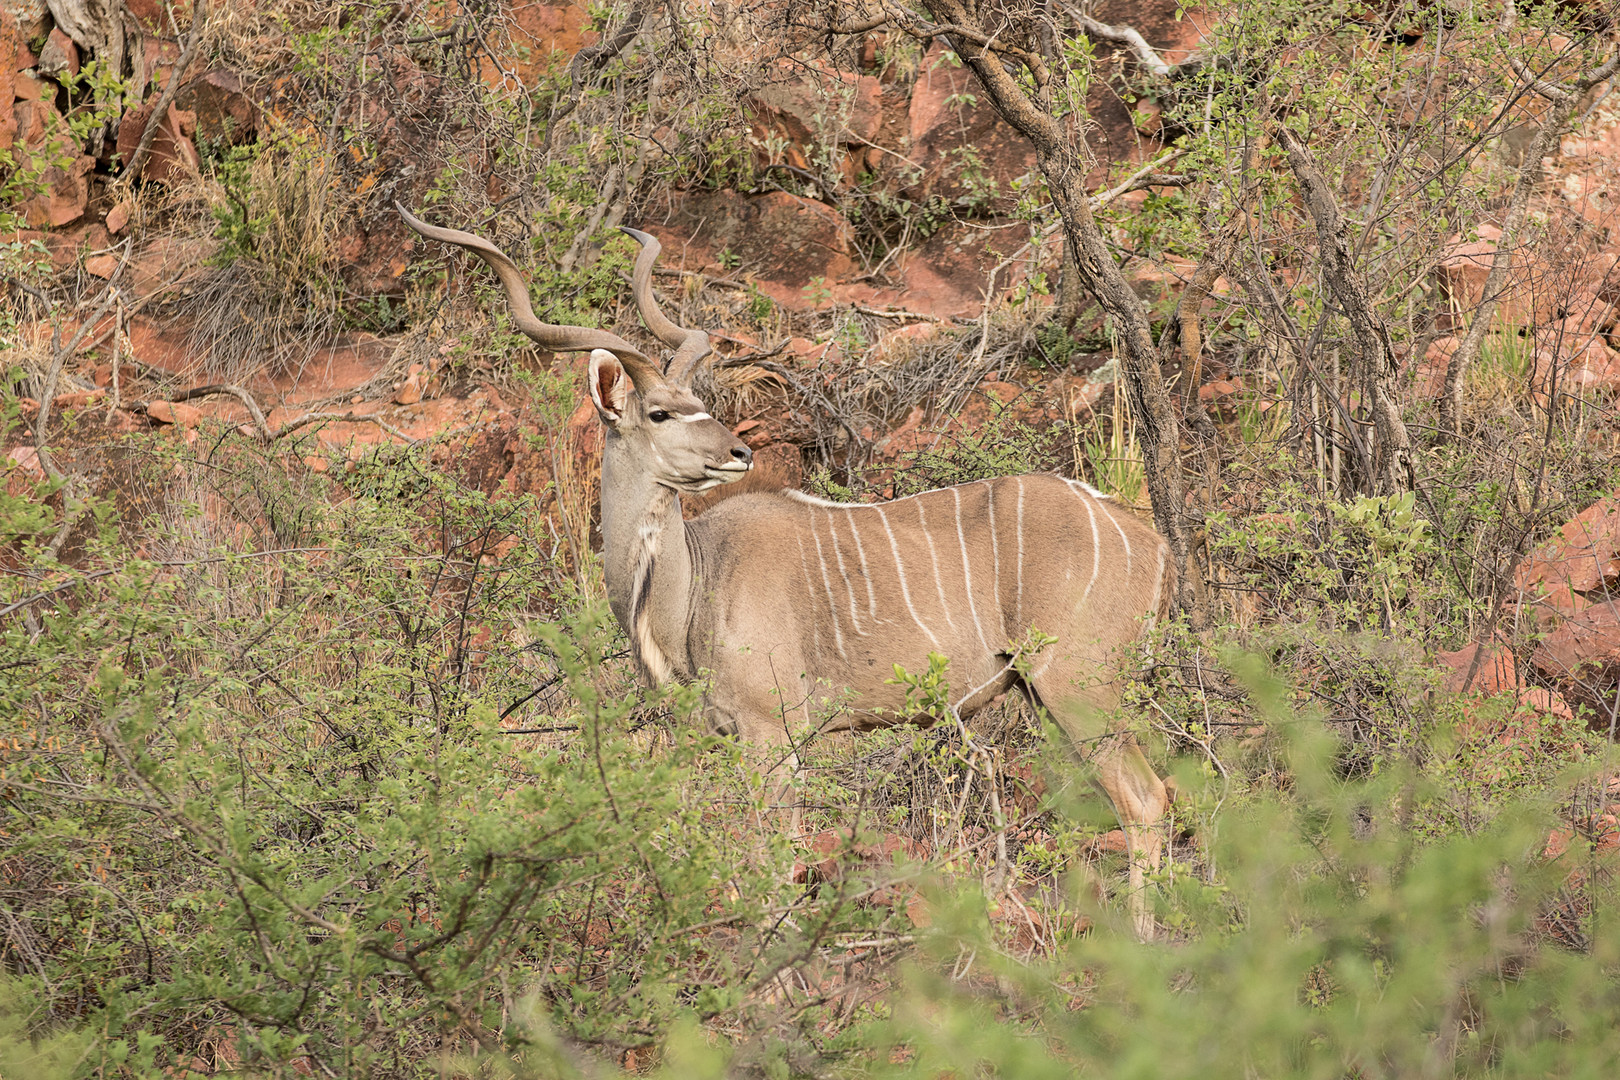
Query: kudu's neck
(645, 560)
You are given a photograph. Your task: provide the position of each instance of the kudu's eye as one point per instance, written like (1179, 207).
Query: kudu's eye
(658, 416)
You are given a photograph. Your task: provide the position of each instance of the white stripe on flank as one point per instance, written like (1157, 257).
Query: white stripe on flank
(849, 587)
(826, 583)
(967, 571)
(811, 500)
(995, 555)
(866, 569)
(939, 582)
(904, 590)
(1076, 486)
(816, 500)
(1018, 611)
(1122, 537)
(1096, 553)
(809, 591)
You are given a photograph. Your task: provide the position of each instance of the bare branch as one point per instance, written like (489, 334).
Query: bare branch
(1392, 452)
(1123, 35)
(154, 121)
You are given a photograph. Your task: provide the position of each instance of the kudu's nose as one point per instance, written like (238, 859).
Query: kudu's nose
(742, 454)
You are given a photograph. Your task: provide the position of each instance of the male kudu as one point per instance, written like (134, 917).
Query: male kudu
(797, 609)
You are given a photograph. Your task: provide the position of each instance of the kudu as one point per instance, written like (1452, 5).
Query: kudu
(797, 609)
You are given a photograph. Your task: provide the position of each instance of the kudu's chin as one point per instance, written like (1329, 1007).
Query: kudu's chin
(712, 478)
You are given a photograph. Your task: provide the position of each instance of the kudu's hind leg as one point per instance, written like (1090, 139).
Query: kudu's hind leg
(1140, 798)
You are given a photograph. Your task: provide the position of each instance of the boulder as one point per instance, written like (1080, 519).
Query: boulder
(1573, 361)
(25, 18)
(224, 112)
(967, 153)
(177, 413)
(1584, 557)
(786, 241)
(1464, 265)
(59, 55)
(828, 108)
(66, 194)
(945, 276)
(1495, 672)
(172, 154)
(1582, 657)
(537, 36)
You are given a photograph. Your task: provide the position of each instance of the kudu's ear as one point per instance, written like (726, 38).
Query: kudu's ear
(610, 386)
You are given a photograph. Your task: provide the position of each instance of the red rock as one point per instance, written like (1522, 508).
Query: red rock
(172, 154)
(1585, 557)
(25, 459)
(8, 112)
(317, 463)
(149, 13)
(27, 18)
(1583, 657)
(167, 262)
(813, 109)
(537, 36)
(1113, 842)
(950, 114)
(830, 850)
(1538, 699)
(786, 241)
(59, 54)
(1464, 266)
(27, 86)
(126, 375)
(1497, 672)
(34, 121)
(102, 266)
(1220, 388)
(901, 342)
(76, 399)
(66, 194)
(945, 276)
(224, 112)
(1081, 395)
(174, 412)
(409, 392)
(1578, 364)
(118, 217)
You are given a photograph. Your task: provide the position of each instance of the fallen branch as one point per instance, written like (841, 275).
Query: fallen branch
(1123, 35)
(236, 392)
